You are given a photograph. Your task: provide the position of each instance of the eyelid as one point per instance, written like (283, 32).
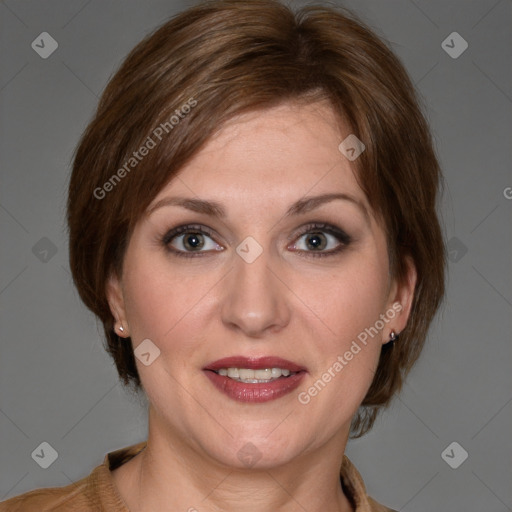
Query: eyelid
(185, 228)
(343, 238)
(325, 227)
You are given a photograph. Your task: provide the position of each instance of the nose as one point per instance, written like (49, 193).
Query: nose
(255, 299)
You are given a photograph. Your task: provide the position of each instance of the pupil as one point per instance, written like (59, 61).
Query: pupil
(193, 241)
(315, 241)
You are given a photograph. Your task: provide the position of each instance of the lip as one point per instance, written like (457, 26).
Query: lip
(254, 363)
(258, 392)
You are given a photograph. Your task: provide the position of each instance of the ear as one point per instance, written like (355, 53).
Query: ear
(401, 293)
(115, 297)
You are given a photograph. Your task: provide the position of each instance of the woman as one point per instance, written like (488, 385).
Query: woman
(252, 216)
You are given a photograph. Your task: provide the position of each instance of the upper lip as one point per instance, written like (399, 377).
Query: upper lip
(254, 363)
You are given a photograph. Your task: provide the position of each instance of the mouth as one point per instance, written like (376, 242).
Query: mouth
(257, 379)
(254, 376)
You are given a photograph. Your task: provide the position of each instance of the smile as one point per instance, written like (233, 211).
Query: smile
(254, 380)
(254, 376)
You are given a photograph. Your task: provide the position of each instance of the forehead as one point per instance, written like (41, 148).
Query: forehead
(273, 155)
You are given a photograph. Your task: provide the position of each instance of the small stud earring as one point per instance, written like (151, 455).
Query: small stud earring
(121, 328)
(393, 336)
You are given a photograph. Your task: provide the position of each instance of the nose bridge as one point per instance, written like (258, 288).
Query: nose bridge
(254, 300)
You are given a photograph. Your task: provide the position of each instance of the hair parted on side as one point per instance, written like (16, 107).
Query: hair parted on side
(223, 58)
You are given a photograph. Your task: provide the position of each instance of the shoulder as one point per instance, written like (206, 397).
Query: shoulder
(55, 499)
(93, 493)
(353, 486)
(377, 507)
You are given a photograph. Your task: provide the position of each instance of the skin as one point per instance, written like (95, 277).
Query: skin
(287, 303)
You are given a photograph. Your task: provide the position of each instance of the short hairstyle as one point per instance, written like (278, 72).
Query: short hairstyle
(223, 58)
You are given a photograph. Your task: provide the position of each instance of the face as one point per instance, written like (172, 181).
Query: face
(286, 268)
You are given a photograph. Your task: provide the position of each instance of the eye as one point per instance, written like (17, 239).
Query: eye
(322, 240)
(187, 240)
(316, 240)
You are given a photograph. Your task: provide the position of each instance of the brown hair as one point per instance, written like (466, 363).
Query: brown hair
(223, 58)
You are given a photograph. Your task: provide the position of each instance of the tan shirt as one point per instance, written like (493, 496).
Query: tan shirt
(97, 492)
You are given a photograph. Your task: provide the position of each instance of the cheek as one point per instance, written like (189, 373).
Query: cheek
(344, 361)
(349, 300)
(147, 303)
(348, 304)
(164, 305)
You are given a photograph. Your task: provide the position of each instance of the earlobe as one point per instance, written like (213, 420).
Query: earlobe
(114, 293)
(405, 295)
(401, 299)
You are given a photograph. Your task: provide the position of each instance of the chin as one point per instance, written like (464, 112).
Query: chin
(257, 451)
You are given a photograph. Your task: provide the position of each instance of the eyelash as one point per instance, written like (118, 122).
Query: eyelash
(339, 234)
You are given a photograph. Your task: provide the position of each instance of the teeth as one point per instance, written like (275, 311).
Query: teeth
(254, 376)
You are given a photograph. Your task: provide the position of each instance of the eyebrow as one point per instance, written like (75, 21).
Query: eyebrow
(215, 209)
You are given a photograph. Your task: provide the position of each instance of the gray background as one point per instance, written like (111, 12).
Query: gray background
(58, 385)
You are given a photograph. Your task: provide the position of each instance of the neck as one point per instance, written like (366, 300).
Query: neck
(171, 475)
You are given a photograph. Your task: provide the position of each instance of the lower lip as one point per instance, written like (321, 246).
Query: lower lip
(255, 393)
